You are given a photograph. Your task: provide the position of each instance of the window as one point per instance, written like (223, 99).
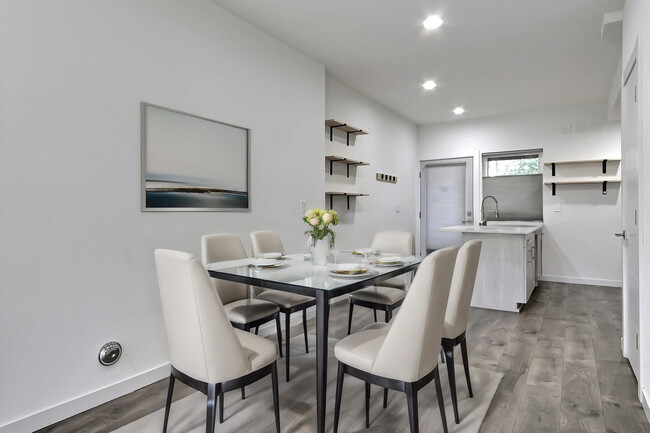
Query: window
(515, 180)
(512, 165)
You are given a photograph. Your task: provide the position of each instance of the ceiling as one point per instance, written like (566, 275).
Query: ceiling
(490, 57)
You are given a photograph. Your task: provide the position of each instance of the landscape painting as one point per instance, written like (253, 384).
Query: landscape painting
(191, 163)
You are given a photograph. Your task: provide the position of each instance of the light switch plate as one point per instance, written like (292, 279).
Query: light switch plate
(557, 208)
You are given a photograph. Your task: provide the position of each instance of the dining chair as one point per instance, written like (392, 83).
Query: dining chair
(455, 325)
(390, 294)
(206, 352)
(268, 241)
(403, 355)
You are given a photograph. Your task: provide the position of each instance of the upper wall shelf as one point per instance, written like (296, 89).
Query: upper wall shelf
(600, 178)
(349, 129)
(335, 158)
(583, 161)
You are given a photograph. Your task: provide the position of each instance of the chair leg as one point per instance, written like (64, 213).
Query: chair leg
(367, 404)
(412, 402)
(304, 329)
(278, 330)
(339, 393)
(257, 330)
(276, 398)
(350, 317)
(170, 392)
(374, 313)
(451, 372)
(385, 398)
(221, 408)
(441, 403)
(243, 393)
(463, 351)
(212, 408)
(442, 355)
(287, 324)
(389, 315)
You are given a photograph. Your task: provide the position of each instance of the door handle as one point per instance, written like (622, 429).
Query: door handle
(623, 234)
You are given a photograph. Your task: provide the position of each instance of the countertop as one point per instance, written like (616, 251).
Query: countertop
(498, 227)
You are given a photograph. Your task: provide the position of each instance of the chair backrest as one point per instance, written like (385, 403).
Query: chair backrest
(265, 241)
(218, 247)
(394, 242)
(201, 340)
(462, 287)
(410, 350)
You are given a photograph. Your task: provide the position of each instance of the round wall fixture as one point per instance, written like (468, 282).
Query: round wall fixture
(110, 353)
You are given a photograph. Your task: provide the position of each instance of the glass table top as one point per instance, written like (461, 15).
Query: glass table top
(296, 270)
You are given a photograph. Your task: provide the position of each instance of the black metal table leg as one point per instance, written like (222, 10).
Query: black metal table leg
(322, 323)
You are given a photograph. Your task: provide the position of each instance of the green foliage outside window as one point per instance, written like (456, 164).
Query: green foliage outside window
(512, 167)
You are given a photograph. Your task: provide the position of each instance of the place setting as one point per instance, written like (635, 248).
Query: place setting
(269, 261)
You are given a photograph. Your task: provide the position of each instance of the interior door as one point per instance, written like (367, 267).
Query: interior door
(630, 160)
(445, 200)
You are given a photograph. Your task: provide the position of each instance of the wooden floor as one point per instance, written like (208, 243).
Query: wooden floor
(561, 360)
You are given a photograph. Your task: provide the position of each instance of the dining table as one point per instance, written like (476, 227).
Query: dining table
(296, 274)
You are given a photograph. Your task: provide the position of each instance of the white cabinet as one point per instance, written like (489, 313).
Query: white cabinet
(507, 273)
(531, 272)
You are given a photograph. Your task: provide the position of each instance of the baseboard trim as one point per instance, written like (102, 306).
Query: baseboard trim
(577, 280)
(80, 404)
(644, 403)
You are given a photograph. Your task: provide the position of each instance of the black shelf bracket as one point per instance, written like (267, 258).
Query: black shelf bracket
(335, 126)
(331, 164)
(553, 187)
(331, 201)
(553, 170)
(348, 197)
(604, 166)
(604, 187)
(353, 132)
(348, 169)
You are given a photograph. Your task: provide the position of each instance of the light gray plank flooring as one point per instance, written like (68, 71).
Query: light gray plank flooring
(561, 360)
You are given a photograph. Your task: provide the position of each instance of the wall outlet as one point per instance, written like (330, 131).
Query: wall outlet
(303, 205)
(557, 208)
(396, 208)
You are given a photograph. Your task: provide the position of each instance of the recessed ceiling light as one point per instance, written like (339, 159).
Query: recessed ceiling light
(430, 84)
(459, 110)
(432, 22)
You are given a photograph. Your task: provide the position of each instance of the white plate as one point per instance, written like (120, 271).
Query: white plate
(272, 265)
(398, 263)
(337, 274)
(274, 256)
(362, 251)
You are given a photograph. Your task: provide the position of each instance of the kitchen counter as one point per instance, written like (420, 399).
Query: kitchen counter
(508, 266)
(500, 227)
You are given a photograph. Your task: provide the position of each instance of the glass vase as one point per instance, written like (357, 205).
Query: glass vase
(320, 250)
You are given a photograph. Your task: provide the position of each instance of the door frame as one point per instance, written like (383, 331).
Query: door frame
(469, 191)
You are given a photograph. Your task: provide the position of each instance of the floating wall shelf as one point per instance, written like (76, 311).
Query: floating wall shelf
(349, 129)
(584, 180)
(346, 194)
(335, 158)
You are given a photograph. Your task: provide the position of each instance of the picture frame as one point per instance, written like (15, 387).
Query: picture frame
(193, 163)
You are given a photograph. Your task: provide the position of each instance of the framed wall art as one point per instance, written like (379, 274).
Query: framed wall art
(191, 163)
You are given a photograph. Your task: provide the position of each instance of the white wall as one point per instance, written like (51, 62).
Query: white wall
(77, 252)
(390, 148)
(578, 243)
(636, 15)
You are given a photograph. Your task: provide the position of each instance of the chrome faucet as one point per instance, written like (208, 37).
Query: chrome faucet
(496, 212)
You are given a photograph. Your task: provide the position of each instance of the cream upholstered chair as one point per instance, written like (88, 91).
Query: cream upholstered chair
(460, 296)
(243, 312)
(268, 241)
(206, 353)
(390, 293)
(403, 355)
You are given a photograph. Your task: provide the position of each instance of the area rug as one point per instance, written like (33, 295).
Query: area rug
(298, 404)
